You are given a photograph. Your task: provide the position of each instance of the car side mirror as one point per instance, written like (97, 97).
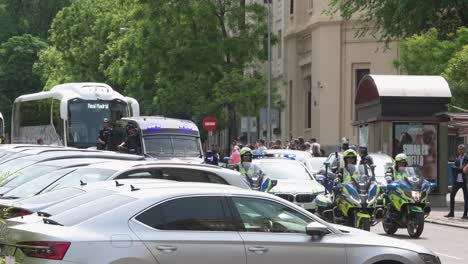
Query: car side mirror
(316, 229)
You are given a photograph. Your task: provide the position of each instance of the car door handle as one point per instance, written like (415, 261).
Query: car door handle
(166, 248)
(258, 250)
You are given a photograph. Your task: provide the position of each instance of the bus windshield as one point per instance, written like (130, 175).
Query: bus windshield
(172, 146)
(85, 119)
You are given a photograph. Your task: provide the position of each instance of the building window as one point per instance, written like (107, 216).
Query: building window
(291, 7)
(290, 104)
(360, 73)
(311, 4)
(280, 44)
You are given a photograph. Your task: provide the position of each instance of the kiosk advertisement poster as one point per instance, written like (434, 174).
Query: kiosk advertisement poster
(419, 142)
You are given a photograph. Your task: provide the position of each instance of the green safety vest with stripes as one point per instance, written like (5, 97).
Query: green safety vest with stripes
(399, 176)
(250, 172)
(347, 177)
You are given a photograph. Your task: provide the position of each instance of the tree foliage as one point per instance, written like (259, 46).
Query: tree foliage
(183, 58)
(394, 19)
(428, 54)
(17, 57)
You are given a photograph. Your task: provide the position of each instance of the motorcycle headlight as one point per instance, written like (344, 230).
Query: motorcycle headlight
(416, 195)
(430, 259)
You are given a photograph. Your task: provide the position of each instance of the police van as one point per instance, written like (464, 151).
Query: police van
(160, 137)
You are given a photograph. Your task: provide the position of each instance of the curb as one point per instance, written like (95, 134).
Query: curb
(445, 223)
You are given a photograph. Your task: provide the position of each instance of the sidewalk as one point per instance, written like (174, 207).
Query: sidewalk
(437, 214)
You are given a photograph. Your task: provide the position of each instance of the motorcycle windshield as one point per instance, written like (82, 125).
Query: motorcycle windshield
(363, 181)
(413, 179)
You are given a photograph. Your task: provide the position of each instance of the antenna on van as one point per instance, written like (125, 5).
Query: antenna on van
(133, 188)
(117, 184)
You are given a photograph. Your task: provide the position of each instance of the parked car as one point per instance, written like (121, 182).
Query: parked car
(117, 170)
(294, 182)
(212, 224)
(33, 209)
(302, 156)
(13, 168)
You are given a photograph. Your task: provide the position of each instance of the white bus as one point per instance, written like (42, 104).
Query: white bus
(2, 129)
(69, 114)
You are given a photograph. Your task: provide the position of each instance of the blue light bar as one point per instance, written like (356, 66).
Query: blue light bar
(185, 127)
(153, 127)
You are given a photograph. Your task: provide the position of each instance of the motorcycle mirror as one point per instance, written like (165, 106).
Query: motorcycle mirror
(392, 186)
(326, 163)
(274, 183)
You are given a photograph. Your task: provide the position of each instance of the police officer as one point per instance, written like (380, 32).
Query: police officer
(105, 135)
(132, 144)
(398, 173)
(365, 158)
(250, 171)
(350, 171)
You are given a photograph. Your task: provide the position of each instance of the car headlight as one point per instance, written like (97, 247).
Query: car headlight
(430, 259)
(416, 195)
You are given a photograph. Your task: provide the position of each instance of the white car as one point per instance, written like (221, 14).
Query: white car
(213, 224)
(293, 180)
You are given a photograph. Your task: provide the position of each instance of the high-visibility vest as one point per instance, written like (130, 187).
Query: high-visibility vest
(347, 177)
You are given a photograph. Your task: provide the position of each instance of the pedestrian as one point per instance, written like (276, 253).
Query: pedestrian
(307, 147)
(260, 146)
(344, 143)
(215, 154)
(235, 155)
(105, 135)
(301, 143)
(459, 170)
(278, 144)
(314, 140)
(316, 150)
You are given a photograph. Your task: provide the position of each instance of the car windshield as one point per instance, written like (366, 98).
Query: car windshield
(87, 211)
(54, 196)
(22, 176)
(12, 166)
(35, 186)
(85, 175)
(284, 170)
(172, 146)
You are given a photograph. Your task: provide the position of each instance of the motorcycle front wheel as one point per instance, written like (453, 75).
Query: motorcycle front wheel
(389, 228)
(415, 225)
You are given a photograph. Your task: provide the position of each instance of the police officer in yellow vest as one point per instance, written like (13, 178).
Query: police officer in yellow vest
(350, 171)
(246, 167)
(398, 173)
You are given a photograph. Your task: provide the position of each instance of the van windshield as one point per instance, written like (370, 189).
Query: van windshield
(172, 146)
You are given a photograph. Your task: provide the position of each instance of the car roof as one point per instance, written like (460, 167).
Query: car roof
(174, 188)
(285, 151)
(81, 154)
(276, 160)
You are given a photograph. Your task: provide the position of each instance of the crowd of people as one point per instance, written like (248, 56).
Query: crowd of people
(261, 145)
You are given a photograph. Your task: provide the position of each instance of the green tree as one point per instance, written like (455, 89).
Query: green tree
(79, 37)
(33, 17)
(178, 57)
(17, 57)
(394, 19)
(429, 54)
(457, 75)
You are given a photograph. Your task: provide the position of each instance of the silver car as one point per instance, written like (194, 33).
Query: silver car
(181, 223)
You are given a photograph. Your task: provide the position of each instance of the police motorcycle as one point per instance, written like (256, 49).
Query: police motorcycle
(406, 203)
(352, 203)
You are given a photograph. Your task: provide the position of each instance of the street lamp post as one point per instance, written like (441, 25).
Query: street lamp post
(269, 3)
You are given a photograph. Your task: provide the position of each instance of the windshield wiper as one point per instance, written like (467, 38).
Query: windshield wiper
(51, 222)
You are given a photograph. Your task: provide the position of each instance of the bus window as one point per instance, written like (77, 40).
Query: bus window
(57, 121)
